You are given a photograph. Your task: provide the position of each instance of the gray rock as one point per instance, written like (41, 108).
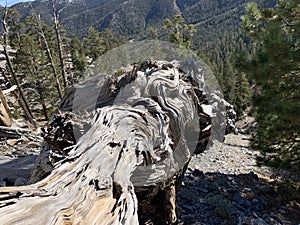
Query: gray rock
(20, 181)
(2, 183)
(13, 168)
(282, 211)
(251, 221)
(258, 221)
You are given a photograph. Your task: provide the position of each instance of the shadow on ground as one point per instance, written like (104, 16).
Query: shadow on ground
(217, 199)
(12, 169)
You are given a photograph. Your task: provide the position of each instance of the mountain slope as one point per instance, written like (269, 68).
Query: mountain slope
(123, 17)
(133, 17)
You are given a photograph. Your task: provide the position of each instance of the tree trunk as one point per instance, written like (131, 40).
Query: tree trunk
(122, 162)
(17, 96)
(60, 46)
(5, 114)
(12, 133)
(49, 55)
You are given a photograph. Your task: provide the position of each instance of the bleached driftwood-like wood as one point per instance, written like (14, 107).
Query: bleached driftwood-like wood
(123, 165)
(13, 132)
(5, 114)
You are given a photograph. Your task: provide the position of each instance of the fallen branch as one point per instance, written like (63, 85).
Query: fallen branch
(13, 132)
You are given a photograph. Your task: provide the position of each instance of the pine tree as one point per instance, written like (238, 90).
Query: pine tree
(110, 40)
(35, 45)
(275, 67)
(79, 58)
(179, 32)
(152, 33)
(242, 92)
(23, 102)
(94, 44)
(221, 57)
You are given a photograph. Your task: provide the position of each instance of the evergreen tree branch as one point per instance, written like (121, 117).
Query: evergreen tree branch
(22, 99)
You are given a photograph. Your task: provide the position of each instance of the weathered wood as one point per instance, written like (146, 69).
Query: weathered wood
(59, 45)
(12, 132)
(119, 162)
(5, 114)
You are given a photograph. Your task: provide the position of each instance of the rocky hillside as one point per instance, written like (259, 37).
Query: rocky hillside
(225, 186)
(222, 186)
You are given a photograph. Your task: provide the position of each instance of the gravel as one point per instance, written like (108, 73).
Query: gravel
(222, 186)
(225, 186)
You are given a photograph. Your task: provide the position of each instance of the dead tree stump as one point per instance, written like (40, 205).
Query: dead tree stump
(122, 161)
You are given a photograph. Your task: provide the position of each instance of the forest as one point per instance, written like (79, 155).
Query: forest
(256, 64)
(145, 144)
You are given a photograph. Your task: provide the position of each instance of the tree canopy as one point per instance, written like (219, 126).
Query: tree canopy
(179, 31)
(275, 68)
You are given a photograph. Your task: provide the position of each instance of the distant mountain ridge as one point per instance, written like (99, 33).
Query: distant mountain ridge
(10, 3)
(133, 17)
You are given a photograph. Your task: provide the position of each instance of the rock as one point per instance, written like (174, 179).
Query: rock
(282, 211)
(13, 168)
(187, 208)
(258, 221)
(251, 221)
(203, 190)
(248, 193)
(2, 183)
(253, 175)
(20, 181)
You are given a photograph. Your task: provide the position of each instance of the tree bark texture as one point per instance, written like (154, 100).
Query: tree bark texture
(59, 46)
(119, 161)
(5, 114)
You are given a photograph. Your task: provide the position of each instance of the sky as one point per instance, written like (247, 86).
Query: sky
(12, 2)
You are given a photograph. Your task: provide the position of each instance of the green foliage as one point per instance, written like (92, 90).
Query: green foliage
(221, 57)
(79, 59)
(31, 62)
(94, 44)
(152, 33)
(243, 93)
(110, 40)
(275, 67)
(97, 43)
(179, 32)
(222, 206)
(37, 60)
(15, 27)
(288, 190)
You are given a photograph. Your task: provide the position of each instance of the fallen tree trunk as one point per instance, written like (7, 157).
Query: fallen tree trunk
(120, 163)
(13, 132)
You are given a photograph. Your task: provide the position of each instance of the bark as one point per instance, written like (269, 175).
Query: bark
(60, 46)
(45, 109)
(13, 133)
(5, 114)
(13, 89)
(119, 161)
